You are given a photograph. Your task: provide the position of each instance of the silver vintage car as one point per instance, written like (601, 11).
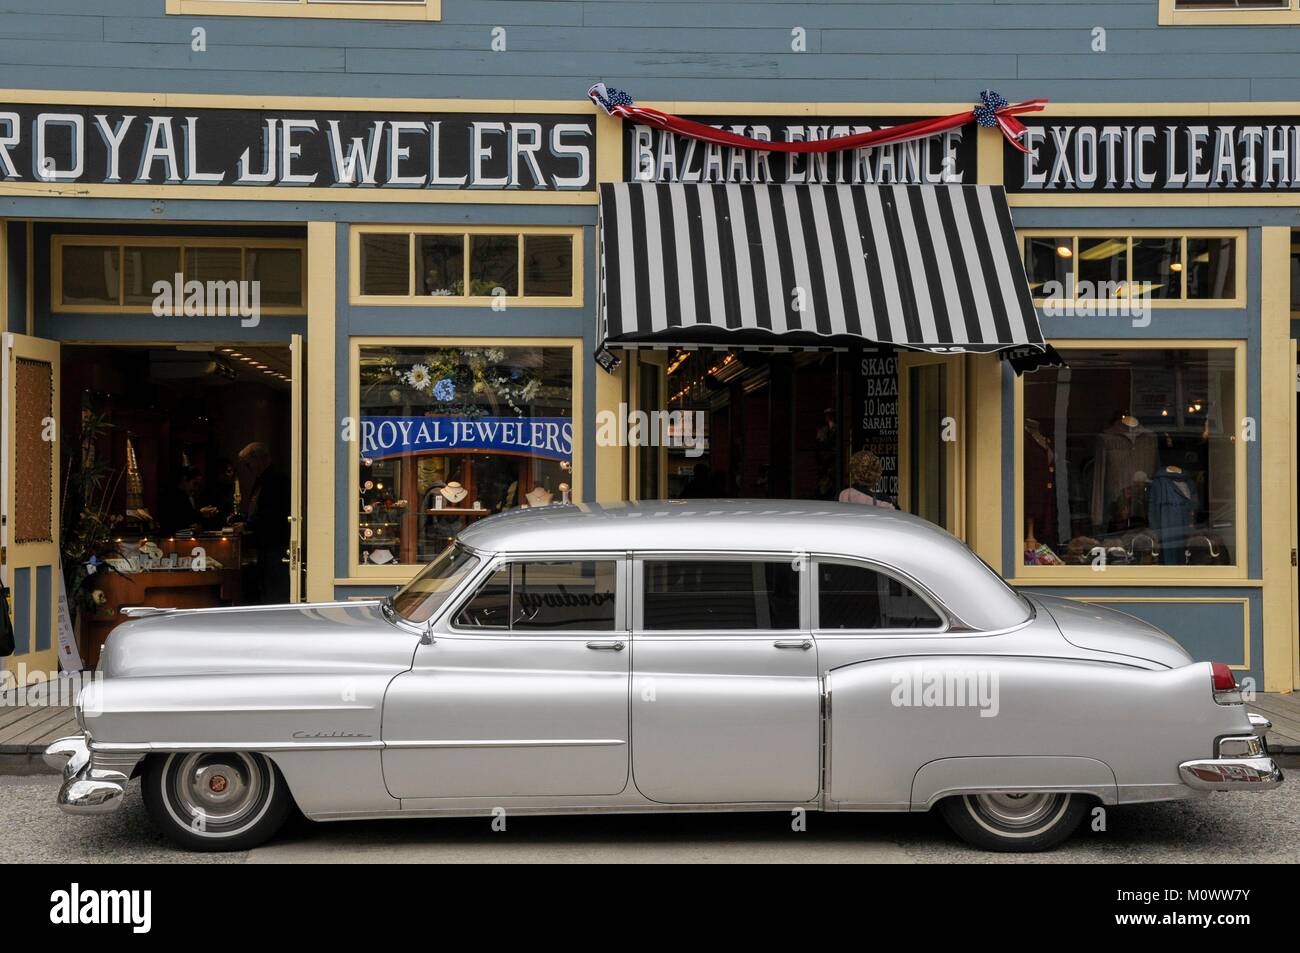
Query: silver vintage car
(697, 656)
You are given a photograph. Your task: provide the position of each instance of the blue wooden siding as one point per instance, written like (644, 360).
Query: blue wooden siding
(860, 51)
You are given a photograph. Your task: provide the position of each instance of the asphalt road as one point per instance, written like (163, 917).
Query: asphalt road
(1234, 828)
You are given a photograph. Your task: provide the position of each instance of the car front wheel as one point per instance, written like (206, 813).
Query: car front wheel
(1014, 821)
(214, 801)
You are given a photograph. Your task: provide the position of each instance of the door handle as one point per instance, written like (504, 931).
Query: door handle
(804, 644)
(613, 646)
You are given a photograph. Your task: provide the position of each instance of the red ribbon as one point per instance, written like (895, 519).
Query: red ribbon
(1012, 128)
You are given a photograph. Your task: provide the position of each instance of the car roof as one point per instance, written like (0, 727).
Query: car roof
(915, 547)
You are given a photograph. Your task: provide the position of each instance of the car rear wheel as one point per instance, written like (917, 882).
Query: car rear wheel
(213, 801)
(1014, 821)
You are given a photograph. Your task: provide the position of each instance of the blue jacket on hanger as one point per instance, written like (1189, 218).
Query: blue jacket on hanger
(1171, 504)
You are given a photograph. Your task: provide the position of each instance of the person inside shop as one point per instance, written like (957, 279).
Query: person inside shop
(865, 471)
(179, 511)
(219, 492)
(266, 523)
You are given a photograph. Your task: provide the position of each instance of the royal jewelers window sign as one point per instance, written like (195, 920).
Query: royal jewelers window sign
(150, 146)
(1157, 154)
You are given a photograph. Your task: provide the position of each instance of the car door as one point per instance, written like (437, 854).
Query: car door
(523, 691)
(726, 701)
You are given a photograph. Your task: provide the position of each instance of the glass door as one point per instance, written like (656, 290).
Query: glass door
(931, 432)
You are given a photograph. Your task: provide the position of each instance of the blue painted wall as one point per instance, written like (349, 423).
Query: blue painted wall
(864, 51)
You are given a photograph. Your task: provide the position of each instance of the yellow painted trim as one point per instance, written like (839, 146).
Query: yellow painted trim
(413, 10)
(122, 242)
(1131, 582)
(1169, 15)
(612, 460)
(359, 574)
(1136, 575)
(1295, 534)
(984, 457)
(990, 169)
(322, 416)
(1277, 395)
(1238, 235)
(355, 232)
(1243, 665)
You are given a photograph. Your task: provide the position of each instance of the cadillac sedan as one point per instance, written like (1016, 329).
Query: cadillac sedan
(702, 656)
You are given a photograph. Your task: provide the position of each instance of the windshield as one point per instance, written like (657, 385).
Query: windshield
(420, 598)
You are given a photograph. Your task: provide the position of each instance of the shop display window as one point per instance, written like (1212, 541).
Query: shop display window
(1129, 457)
(1164, 267)
(449, 266)
(450, 434)
(118, 273)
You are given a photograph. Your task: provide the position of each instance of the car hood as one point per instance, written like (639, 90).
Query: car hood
(318, 638)
(1094, 627)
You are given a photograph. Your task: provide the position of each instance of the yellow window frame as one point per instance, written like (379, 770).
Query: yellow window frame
(1170, 15)
(1137, 575)
(370, 574)
(315, 9)
(1238, 235)
(122, 242)
(522, 300)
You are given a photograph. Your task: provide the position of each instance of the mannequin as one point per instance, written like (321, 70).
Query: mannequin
(1126, 457)
(538, 496)
(454, 493)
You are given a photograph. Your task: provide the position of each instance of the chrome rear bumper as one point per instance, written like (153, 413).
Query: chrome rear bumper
(85, 789)
(1231, 774)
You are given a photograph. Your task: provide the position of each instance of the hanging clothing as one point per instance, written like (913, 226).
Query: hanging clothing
(1126, 456)
(1040, 485)
(1171, 505)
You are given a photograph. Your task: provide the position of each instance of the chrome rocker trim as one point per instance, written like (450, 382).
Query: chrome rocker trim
(1231, 774)
(86, 789)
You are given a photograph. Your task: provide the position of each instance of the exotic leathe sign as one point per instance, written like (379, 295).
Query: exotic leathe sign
(151, 146)
(659, 155)
(1158, 154)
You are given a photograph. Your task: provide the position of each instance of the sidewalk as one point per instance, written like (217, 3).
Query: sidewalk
(25, 731)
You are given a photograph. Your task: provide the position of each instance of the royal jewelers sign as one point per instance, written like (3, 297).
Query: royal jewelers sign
(153, 146)
(1157, 154)
(660, 155)
(547, 437)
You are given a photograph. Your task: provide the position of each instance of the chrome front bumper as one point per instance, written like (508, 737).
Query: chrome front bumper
(86, 789)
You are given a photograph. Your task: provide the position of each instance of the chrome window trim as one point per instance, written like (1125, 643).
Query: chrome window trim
(491, 564)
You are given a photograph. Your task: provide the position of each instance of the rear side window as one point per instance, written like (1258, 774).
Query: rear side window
(856, 597)
(723, 595)
(568, 595)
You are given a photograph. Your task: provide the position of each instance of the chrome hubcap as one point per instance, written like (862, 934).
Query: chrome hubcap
(223, 788)
(1018, 810)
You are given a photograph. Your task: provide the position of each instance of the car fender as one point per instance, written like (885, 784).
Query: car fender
(890, 717)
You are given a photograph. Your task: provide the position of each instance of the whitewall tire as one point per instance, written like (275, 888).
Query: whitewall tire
(212, 801)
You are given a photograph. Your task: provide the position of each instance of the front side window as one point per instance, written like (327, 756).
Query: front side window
(1129, 458)
(449, 435)
(720, 595)
(424, 595)
(857, 597)
(539, 596)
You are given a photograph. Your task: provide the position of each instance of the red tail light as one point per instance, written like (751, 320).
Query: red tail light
(1222, 677)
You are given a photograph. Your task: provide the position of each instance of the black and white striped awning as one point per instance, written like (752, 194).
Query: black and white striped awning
(920, 267)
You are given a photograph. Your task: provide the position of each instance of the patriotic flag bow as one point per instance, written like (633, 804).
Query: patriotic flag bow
(993, 111)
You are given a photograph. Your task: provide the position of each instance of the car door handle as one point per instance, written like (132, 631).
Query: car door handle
(613, 646)
(804, 644)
